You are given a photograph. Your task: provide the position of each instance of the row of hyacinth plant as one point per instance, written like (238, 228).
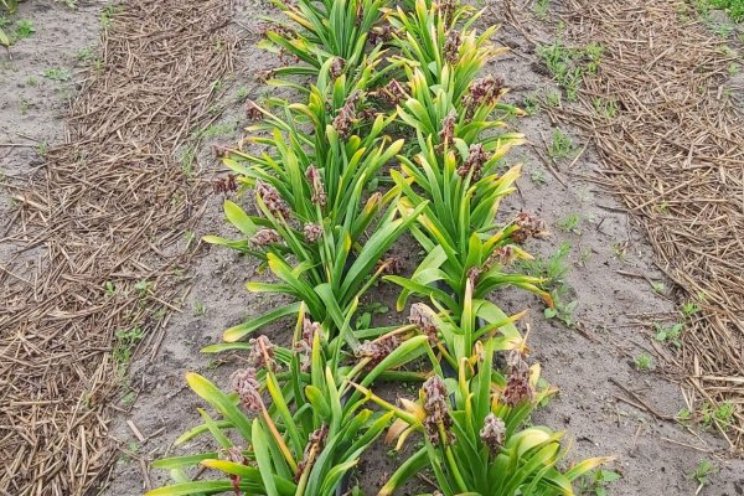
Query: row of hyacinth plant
(299, 418)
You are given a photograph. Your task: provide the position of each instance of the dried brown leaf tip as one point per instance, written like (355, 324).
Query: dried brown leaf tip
(436, 406)
(261, 354)
(234, 454)
(316, 183)
(452, 47)
(225, 184)
(272, 200)
(220, 150)
(391, 266)
(377, 350)
(315, 443)
(346, 117)
(518, 388)
(244, 383)
(493, 433)
(447, 134)
(253, 111)
(477, 158)
(265, 237)
(530, 226)
(312, 232)
(423, 317)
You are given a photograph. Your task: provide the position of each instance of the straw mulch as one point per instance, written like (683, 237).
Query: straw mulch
(100, 232)
(675, 154)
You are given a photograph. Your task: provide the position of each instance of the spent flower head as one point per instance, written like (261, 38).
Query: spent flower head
(452, 46)
(346, 116)
(265, 237)
(530, 226)
(493, 433)
(477, 158)
(447, 134)
(377, 350)
(436, 406)
(518, 388)
(273, 201)
(316, 182)
(262, 352)
(312, 232)
(423, 317)
(244, 383)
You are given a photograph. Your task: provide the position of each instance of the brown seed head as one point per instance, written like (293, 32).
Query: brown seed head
(493, 433)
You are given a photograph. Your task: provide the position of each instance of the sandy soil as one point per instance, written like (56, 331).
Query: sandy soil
(615, 311)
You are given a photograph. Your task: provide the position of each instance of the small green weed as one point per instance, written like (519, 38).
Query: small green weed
(669, 333)
(643, 362)
(538, 177)
(57, 74)
(541, 8)
(658, 287)
(689, 309)
(702, 472)
(595, 483)
(199, 309)
(217, 130)
(126, 342)
(605, 108)
(24, 29)
(570, 223)
(553, 99)
(561, 145)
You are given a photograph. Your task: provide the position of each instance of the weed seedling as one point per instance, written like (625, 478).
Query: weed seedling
(689, 309)
(595, 483)
(538, 177)
(109, 288)
(143, 288)
(126, 342)
(241, 94)
(553, 99)
(199, 309)
(561, 145)
(658, 287)
(24, 29)
(669, 333)
(643, 362)
(570, 223)
(57, 74)
(701, 473)
(541, 8)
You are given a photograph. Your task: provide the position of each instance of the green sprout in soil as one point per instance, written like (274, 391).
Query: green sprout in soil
(595, 483)
(570, 224)
(669, 333)
(57, 74)
(643, 362)
(24, 29)
(561, 145)
(701, 474)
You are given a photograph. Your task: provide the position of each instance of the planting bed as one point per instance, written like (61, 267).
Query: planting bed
(620, 392)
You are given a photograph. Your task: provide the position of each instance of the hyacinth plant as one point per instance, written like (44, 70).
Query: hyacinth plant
(472, 433)
(299, 428)
(310, 186)
(456, 170)
(295, 421)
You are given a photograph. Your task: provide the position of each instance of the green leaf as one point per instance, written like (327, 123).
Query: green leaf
(238, 332)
